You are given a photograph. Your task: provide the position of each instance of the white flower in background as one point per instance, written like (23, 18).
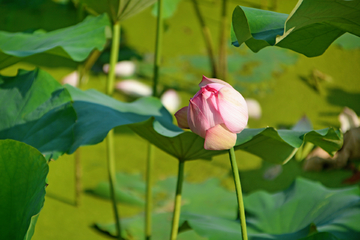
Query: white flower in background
(134, 88)
(348, 119)
(122, 68)
(254, 108)
(71, 79)
(171, 100)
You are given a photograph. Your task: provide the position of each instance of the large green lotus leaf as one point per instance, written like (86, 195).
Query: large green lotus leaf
(23, 171)
(336, 211)
(118, 10)
(310, 28)
(75, 42)
(98, 114)
(276, 146)
(306, 207)
(37, 110)
(217, 228)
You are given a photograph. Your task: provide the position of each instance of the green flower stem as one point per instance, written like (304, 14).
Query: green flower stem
(235, 171)
(177, 205)
(110, 137)
(158, 45)
(207, 38)
(78, 177)
(113, 58)
(223, 42)
(83, 71)
(149, 167)
(149, 180)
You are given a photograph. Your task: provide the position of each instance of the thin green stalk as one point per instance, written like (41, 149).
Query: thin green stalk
(83, 71)
(113, 58)
(158, 46)
(177, 205)
(110, 137)
(235, 171)
(223, 42)
(149, 180)
(78, 178)
(150, 160)
(207, 37)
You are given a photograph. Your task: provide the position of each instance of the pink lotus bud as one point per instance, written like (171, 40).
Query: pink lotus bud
(134, 88)
(122, 69)
(71, 79)
(217, 113)
(171, 100)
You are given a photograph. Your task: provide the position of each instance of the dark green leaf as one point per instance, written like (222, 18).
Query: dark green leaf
(321, 236)
(37, 110)
(311, 27)
(276, 146)
(75, 42)
(23, 171)
(91, 106)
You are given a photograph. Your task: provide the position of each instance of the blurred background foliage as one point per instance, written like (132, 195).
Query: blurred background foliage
(280, 80)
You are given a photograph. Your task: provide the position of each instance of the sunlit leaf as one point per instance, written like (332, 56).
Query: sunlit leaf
(311, 27)
(276, 146)
(288, 215)
(37, 110)
(23, 171)
(75, 42)
(118, 10)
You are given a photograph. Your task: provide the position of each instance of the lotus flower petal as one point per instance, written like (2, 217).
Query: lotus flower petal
(197, 120)
(233, 109)
(219, 138)
(205, 81)
(182, 118)
(217, 112)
